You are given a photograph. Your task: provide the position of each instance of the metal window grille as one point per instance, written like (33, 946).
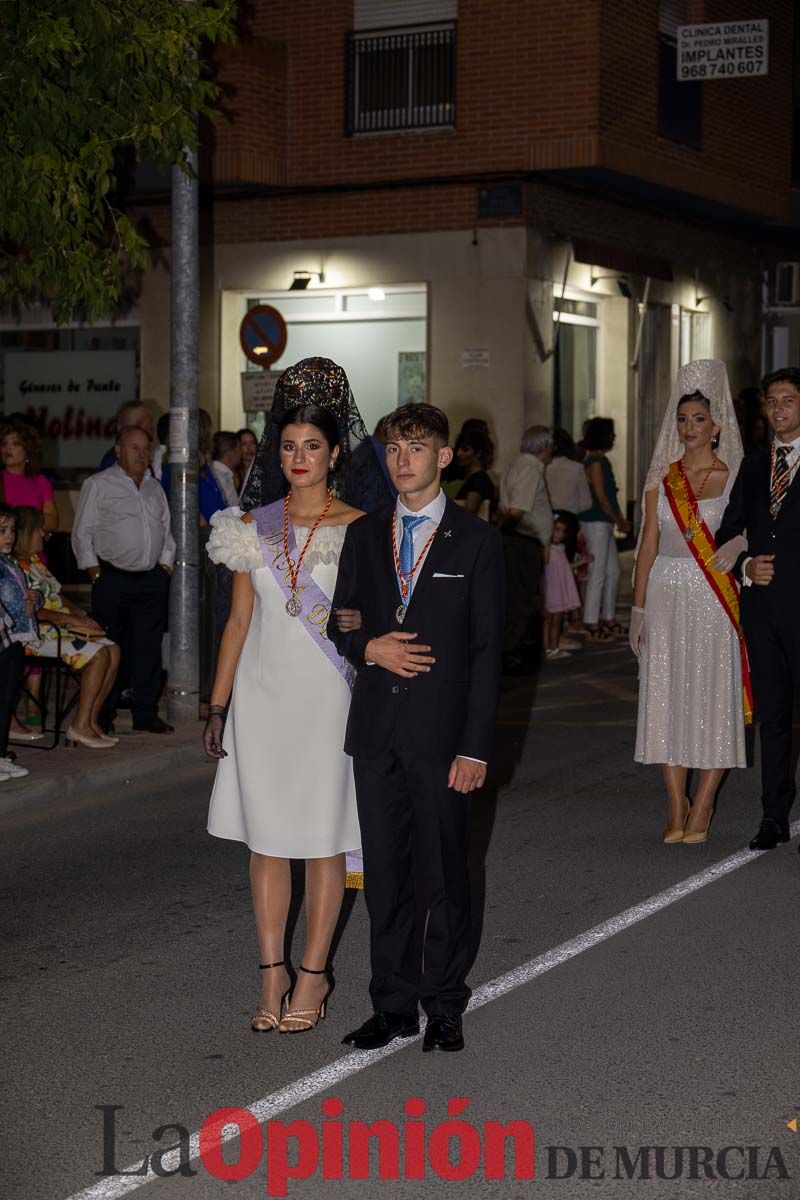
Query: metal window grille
(401, 79)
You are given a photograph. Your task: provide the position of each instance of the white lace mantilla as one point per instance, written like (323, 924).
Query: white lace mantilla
(236, 543)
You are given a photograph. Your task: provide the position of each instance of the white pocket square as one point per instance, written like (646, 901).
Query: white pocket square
(444, 575)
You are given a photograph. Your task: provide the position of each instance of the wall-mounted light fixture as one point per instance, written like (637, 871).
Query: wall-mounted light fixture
(725, 302)
(301, 279)
(620, 280)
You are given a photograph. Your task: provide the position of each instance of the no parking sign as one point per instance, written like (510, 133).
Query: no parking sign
(262, 335)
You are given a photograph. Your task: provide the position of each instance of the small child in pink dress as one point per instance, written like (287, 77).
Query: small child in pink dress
(560, 591)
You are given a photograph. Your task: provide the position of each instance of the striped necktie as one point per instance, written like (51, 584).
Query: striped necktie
(406, 555)
(779, 483)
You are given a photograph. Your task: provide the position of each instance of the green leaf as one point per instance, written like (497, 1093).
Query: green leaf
(83, 82)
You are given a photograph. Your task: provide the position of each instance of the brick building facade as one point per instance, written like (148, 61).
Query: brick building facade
(549, 198)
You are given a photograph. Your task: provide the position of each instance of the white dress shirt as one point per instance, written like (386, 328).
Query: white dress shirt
(568, 486)
(227, 484)
(126, 525)
(433, 514)
(159, 457)
(523, 487)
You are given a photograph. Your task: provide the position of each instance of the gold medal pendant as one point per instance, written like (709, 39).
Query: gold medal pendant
(294, 607)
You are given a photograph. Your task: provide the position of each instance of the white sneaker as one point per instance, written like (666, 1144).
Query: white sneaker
(552, 655)
(10, 770)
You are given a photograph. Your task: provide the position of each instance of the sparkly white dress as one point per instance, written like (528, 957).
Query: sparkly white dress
(690, 676)
(286, 787)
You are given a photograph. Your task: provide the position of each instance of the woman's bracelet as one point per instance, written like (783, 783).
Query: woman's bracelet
(216, 710)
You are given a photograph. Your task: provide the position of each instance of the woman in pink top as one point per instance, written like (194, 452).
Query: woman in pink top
(20, 451)
(21, 484)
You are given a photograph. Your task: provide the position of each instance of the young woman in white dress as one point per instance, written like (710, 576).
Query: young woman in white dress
(685, 606)
(284, 784)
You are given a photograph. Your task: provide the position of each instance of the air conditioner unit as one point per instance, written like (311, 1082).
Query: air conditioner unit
(787, 283)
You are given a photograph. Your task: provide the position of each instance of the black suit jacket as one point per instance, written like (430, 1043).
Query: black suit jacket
(450, 710)
(748, 512)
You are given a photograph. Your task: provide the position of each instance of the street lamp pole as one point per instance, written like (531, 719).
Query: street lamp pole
(183, 691)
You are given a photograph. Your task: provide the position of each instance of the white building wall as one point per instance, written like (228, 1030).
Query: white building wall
(492, 291)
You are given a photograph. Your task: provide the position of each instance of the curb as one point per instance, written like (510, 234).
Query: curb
(38, 789)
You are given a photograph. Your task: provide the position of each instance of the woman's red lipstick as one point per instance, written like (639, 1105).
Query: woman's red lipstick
(299, 471)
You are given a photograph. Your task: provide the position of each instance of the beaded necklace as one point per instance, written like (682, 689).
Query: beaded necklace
(690, 531)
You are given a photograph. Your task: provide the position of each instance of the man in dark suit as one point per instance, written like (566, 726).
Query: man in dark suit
(428, 580)
(765, 505)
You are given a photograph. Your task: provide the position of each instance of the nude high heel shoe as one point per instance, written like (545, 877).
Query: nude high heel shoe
(699, 835)
(672, 834)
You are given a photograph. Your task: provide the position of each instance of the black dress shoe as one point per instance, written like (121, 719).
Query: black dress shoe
(443, 1032)
(769, 835)
(382, 1028)
(153, 725)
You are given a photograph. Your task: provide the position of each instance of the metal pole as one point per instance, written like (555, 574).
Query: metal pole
(184, 687)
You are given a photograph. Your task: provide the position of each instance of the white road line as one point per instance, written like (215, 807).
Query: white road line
(358, 1060)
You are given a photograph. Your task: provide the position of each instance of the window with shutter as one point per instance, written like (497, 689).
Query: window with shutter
(400, 69)
(396, 14)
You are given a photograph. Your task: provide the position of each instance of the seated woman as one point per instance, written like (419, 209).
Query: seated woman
(17, 627)
(82, 643)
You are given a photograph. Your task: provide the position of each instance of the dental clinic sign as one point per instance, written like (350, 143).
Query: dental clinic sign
(723, 50)
(73, 396)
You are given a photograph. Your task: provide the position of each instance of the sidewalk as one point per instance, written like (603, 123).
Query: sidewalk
(73, 772)
(76, 771)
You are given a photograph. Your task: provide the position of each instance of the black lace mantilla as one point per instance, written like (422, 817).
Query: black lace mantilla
(358, 479)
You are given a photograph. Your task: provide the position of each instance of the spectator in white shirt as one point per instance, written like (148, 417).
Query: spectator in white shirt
(566, 478)
(122, 539)
(136, 413)
(226, 458)
(526, 520)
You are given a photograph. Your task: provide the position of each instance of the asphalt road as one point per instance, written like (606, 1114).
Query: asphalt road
(129, 976)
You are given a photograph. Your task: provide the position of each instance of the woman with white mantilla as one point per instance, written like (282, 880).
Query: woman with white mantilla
(685, 629)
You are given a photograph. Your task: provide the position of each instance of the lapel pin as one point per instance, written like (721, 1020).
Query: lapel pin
(447, 533)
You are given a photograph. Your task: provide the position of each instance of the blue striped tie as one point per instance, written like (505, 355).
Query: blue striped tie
(407, 544)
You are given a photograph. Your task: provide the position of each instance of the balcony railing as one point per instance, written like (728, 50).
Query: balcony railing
(401, 79)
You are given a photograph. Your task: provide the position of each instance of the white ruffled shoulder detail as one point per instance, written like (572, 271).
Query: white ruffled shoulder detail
(234, 543)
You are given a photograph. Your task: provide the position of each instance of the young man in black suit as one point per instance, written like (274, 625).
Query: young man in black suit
(765, 506)
(428, 580)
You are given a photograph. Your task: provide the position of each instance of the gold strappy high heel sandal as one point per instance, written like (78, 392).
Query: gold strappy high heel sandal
(302, 1020)
(263, 1020)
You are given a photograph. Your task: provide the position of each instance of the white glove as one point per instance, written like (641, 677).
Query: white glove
(636, 635)
(725, 558)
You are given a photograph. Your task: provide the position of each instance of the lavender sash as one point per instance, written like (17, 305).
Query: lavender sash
(316, 605)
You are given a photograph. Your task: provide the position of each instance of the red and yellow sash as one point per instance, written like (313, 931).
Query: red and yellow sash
(686, 512)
